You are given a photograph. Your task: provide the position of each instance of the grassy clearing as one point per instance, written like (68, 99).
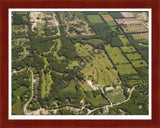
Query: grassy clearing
(85, 86)
(17, 108)
(135, 82)
(116, 55)
(98, 68)
(116, 95)
(129, 49)
(70, 87)
(126, 69)
(123, 39)
(139, 63)
(94, 19)
(134, 56)
(20, 90)
(82, 51)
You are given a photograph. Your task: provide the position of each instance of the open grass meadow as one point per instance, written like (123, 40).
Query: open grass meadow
(124, 39)
(17, 108)
(128, 49)
(134, 56)
(116, 55)
(126, 69)
(98, 67)
(139, 63)
(116, 95)
(111, 23)
(94, 19)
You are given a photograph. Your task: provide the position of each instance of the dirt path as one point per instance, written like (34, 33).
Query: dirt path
(25, 106)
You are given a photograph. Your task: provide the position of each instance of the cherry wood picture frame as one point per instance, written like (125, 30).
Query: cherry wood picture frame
(4, 63)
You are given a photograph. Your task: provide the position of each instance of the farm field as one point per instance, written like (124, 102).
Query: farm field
(125, 69)
(116, 15)
(134, 28)
(79, 62)
(140, 36)
(95, 19)
(139, 63)
(116, 55)
(101, 75)
(123, 39)
(128, 49)
(116, 95)
(108, 19)
(134, 56)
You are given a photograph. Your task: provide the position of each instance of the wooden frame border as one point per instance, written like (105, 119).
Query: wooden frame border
(6, 4)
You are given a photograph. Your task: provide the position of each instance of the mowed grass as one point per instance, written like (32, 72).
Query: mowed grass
(17, 109)
(82, 49)
(124, 39)
(99, 68)
(20, 90)
(94, 19)
(116, 95)
(126, 69)
(70, 87)
(116, 55)
(139, 63)
(134, 56)
(128, 49)
(46, 83)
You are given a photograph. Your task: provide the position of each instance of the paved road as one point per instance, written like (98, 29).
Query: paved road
(25, 106)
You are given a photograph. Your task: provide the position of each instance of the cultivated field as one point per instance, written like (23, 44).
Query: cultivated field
(134, 28)
(134, 56)
(131, 21)
(127, 14)
(109, 19)
(140, 36)
(128, 49)
(123, 39)
(126, 69)
(94, 19)
(116, 55)
(139, 63)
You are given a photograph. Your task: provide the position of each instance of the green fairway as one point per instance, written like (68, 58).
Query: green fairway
(116, 95)
(126, 69)
(134, 56)
(139, 63)
(70, 87)
(128, 49)
(20, 90)
(123, 39)
(115, 54)
(94, 19)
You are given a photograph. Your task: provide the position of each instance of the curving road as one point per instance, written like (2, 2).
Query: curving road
(25, 106)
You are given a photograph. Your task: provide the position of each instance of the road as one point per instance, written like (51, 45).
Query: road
(111, 105)
(25, 106)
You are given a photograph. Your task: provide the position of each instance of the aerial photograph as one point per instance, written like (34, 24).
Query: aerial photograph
(79, 62)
